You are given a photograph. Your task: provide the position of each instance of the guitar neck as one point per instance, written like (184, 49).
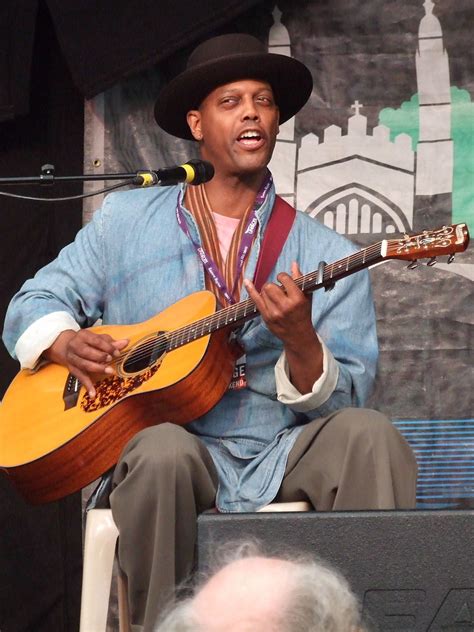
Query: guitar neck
(446, 240)
(235, 315)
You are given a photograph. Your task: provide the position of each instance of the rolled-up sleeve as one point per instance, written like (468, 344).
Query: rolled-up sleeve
(40, 336)
(321, 391)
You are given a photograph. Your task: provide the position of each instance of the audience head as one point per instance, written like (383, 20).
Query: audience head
(255, 593)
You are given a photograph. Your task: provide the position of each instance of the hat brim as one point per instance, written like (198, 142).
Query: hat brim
(290, 80)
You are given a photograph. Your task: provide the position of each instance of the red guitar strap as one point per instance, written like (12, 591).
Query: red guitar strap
(279, 225)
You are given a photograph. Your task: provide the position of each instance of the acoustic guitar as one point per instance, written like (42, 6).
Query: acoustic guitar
(55, 439)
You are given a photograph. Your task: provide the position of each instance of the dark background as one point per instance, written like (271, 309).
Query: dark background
(40, 547)
(52, 55)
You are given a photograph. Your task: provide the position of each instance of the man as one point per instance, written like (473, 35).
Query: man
(288, 433)
(255, 593)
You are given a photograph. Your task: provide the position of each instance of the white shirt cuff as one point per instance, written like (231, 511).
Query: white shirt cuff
(40, 335)
(322, 388)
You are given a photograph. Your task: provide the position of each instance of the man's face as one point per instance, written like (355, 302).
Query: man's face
(236, 125)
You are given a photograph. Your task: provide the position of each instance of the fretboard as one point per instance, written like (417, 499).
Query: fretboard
(235, 315)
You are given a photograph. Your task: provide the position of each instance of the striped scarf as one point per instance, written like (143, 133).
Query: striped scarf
(198, 204)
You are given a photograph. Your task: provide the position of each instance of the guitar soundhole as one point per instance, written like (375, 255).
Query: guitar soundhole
(148, 353)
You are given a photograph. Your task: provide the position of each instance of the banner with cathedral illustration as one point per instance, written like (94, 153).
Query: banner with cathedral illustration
(384, 146)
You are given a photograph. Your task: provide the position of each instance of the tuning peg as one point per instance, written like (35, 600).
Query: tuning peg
(413, 264)
(431, 262)
(450, 258)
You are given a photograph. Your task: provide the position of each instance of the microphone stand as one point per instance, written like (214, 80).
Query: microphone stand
(47, 177)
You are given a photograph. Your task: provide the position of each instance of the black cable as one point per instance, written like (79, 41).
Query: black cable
(65, 199)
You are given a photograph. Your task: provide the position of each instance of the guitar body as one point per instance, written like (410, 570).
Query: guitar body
(54, 442)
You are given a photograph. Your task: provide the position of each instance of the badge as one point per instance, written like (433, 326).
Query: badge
(239, 379)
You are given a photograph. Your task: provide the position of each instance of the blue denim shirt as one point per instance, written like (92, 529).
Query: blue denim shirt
(132, 261)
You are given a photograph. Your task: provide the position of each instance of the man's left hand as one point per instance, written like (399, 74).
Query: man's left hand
(286, 311)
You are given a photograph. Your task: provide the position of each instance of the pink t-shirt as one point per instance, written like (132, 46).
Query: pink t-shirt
(225, 227)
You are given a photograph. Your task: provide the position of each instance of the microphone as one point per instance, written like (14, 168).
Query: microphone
(192, 172)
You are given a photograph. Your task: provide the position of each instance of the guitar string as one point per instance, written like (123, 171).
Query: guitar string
(188, 333)
(198, 329)
(181, 336)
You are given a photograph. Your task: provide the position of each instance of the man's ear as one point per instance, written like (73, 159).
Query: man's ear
(193, 118)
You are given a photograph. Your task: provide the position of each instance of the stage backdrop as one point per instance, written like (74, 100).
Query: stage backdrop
(384, 146)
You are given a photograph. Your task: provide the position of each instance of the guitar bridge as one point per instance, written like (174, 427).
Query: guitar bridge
(71, 392)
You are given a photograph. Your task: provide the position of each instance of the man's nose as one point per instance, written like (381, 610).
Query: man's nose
(250, 110)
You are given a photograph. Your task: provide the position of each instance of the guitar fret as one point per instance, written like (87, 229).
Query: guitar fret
(175, 339)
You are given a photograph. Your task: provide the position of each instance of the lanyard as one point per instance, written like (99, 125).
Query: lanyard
(244, 247)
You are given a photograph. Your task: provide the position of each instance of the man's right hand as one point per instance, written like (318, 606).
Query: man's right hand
(84, 353)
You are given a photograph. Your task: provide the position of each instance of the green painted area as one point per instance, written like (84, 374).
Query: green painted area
(405, 120)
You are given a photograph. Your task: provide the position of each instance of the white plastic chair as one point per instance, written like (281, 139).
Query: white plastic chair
(99, 553)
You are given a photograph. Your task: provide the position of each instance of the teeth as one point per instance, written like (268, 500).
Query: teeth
(250, 134)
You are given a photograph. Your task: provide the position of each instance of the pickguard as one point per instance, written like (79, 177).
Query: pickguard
(114, 388)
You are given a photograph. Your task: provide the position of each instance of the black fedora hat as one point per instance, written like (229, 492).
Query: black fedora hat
(224, 59)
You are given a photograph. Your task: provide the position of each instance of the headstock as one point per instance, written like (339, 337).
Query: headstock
(429, 244)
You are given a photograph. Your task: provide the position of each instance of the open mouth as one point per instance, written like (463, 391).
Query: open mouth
(251, 139)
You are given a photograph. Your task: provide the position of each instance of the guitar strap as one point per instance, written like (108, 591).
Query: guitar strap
(279, 225)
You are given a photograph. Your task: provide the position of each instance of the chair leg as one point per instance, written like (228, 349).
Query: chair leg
(99, 552)
(122, 594)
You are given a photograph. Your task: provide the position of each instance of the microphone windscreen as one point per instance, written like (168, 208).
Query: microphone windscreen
(203, 171)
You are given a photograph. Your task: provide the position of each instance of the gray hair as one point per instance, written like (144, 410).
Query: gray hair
(320, 599)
